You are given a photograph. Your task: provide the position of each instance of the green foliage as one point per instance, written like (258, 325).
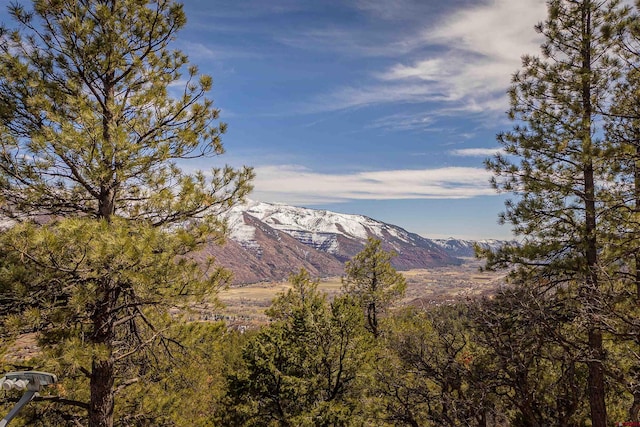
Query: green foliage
(92, 141)
(556, 163)
(430, 373)
(303, 368)
(182, 387)
(622, 252)
(529, 340)
(373, 282)
(185, 386)
(552, 155)
(90, 125)
(68, 267)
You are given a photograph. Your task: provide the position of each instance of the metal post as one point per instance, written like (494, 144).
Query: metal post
(26, 398)
(32, 381)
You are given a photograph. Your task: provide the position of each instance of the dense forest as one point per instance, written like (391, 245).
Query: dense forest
(100, 220)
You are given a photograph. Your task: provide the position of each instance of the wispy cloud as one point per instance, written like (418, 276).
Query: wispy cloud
(499, 29)
(465, 61)
(298, 185)
(476, 152)
(364, 42)
(405, 121)
(232, 9)
(199, 51)
(392, 92)
(393, 9)
(484, 45)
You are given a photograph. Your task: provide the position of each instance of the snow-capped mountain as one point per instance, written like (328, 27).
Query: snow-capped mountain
(466, 248)
(270, 241)
(320, 229)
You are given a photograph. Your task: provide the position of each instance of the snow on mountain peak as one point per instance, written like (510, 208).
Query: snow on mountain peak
(315, 227)
(325, 230)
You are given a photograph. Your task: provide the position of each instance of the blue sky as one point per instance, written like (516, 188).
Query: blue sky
(385, 108)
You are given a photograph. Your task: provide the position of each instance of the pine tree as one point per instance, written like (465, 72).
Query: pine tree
(553, 164)
(372, 280)
(623, 219)
(92, 141)
(524, 333)
(429, 372)
(303, 368)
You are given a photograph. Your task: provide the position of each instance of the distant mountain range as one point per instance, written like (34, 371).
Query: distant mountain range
(466, 248)
(268, 242)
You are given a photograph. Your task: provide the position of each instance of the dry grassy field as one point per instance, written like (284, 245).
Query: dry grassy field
(246, 304)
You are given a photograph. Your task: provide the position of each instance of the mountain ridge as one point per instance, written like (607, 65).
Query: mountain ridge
(268, 242)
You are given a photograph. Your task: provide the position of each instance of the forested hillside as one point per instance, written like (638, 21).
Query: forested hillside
(98, 264)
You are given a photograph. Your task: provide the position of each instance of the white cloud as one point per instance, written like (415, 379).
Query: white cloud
(500, 29)
(197, 51)
(298, 185)
(351, 42)
(350, 97)
(403, 121)
(393, 9)
(476, 152)
(484, 45)
(469, 59)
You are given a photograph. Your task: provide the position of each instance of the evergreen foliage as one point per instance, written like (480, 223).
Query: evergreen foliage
(527, 336)
(622, 252)
(554, 164)
(103, 220)
(431, 373)
(371, 280)
(91, 136)
(303, 368)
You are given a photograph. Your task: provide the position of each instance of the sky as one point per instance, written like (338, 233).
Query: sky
(384, 108)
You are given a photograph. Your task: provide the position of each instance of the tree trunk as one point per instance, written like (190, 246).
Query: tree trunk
(482, 419)
(106, 200)
(102, 398)
(636, 193)
(634, 411)
(106, 205)
(372, 319)
(596, 381)
(103, 368)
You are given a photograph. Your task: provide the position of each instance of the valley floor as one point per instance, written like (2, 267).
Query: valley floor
(245, 305)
